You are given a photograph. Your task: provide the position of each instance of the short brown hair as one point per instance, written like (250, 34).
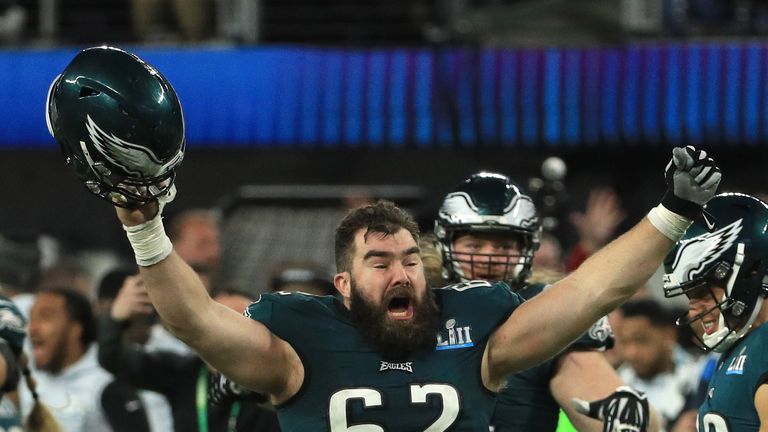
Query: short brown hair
(382, 217)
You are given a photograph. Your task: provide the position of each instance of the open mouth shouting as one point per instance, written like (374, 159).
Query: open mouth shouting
(400, 307)
(710, 326)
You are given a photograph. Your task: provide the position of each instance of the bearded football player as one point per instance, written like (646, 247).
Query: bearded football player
(433, 360)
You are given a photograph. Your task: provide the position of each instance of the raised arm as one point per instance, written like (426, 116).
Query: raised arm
(239, 347)
(124, 140)
(545, 325)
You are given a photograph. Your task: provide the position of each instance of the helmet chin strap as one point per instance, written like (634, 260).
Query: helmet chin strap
(724, 338)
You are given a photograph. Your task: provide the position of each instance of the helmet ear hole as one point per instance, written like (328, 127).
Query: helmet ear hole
(88, 92)
(103, 109)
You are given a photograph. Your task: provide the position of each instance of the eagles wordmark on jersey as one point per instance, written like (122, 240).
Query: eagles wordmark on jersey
(347, 383)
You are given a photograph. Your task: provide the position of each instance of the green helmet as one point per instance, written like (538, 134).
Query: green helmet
(13, 325)
(732, 254)
(119, 124)
(488, 203)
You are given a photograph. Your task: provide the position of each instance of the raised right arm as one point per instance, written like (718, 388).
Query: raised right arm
(239, 347)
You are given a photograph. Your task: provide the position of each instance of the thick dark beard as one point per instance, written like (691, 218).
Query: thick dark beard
(396, 340)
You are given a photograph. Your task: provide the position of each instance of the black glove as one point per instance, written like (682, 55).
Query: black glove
(692, 179)
(222, 392)
(625, 410)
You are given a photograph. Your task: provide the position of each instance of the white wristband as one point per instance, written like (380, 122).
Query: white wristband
(671, 224)
(149, 241)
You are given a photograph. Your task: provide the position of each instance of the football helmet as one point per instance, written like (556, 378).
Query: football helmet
(119, 124)
(488, 203)
(730, 253)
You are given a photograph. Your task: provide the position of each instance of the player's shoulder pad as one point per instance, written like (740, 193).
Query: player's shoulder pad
(480, 291)
(286, 303)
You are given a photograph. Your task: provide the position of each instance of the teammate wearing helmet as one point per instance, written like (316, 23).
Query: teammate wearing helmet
(488, 229)
(721, 265)
(369, 359)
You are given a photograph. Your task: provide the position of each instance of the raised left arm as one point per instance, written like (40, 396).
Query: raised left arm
(543, 326)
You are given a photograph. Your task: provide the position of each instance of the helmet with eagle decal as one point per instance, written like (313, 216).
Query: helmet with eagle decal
(488, 203)
(722, 270)
(119, 124)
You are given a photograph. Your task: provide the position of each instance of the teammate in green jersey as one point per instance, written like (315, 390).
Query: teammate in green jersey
(488, 228)
(721, 265)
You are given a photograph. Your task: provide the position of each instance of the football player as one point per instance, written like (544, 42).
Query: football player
(488, 229)
(721, 266)
(367, 359)
(13, 364)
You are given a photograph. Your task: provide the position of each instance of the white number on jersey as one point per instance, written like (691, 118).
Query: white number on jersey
(714, 422)
(337, 411)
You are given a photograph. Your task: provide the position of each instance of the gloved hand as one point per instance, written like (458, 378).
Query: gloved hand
(624, 410)
(692, 179)
(222, 391)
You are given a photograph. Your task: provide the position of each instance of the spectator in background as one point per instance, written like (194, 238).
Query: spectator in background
(192, 18)
(548, 263)
(306, 277)
(19, 270)
(12, 19)
(62, 330)
(67, 272)
(596, 226)
(182, 379)
(195, 236)
(653, 361)
(137, 330)
(13, 364)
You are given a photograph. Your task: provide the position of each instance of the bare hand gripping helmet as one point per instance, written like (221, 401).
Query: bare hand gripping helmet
(119, 124)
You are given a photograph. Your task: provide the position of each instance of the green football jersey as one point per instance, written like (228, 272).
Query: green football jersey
(729, 405)
(349, 386)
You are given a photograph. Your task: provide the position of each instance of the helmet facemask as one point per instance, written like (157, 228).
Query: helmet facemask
(488, 206)
(512, 267)
(129, 191)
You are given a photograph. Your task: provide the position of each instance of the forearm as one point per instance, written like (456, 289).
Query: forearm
(613, 274)
(586, 375)
(654, 420)
(179, 296)
(569, 307)
(604, 281)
